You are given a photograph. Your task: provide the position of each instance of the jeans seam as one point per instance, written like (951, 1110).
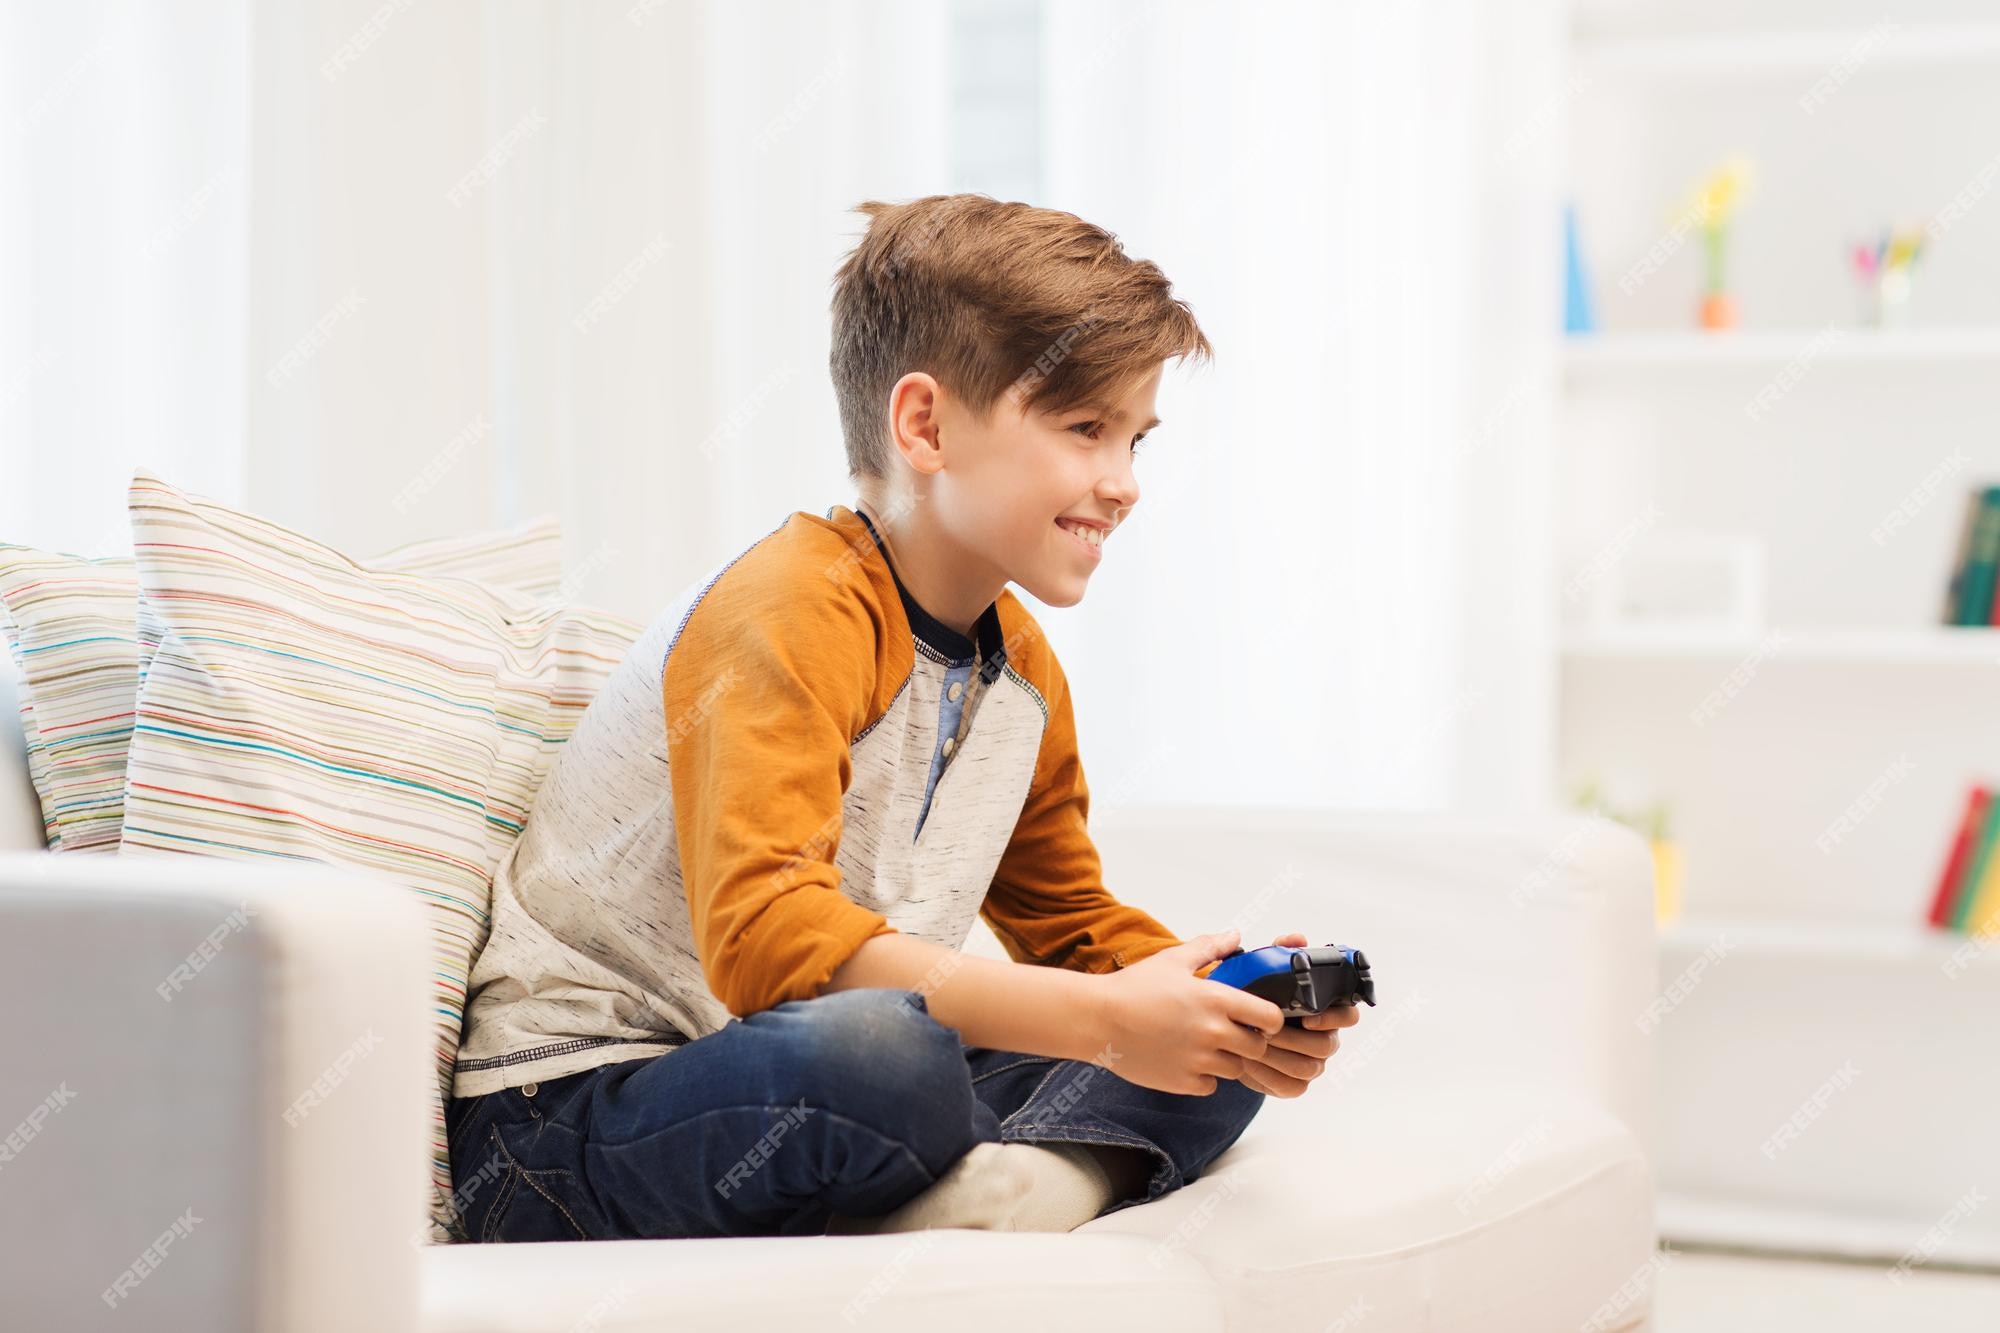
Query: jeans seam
(1029, 1100)
(505, 1196)
(981, 1078)
(1108, 1137)
(522, 1173)
(536, 1186)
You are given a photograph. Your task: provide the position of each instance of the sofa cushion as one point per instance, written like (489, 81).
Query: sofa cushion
(304, 706)
(1340, 1209)
(1532, 1211)
(82, 642)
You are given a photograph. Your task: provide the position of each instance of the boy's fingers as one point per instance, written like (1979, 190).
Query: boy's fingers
(1243, 1042)
(1272, 1082)
(1293, 1063)
(1207, 948)
(1307, 1041)
(1340, 1016)
(1254, 1011)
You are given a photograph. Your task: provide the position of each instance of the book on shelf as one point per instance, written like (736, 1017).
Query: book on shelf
(1975, 569)
(1967, 896)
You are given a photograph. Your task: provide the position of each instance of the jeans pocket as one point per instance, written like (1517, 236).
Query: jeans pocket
(535, 1200)
(477, 1172)
(500, 1189)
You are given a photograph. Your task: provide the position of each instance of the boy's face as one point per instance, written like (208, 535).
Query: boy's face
(1012, 490)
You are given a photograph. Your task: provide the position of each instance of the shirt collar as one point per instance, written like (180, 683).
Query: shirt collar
(956, 648)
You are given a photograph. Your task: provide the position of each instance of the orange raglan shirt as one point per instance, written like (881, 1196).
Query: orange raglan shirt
(793, 758)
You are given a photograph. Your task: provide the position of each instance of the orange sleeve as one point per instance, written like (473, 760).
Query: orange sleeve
(1047, 903)
(764, 690)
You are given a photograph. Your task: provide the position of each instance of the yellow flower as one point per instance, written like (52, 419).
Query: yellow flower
(1716, 198)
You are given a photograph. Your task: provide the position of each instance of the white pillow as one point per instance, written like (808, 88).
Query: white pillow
(74, 627)
(302, 705)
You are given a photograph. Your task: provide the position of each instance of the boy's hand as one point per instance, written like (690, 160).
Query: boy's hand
(1169, 1029)
(1295, 1056)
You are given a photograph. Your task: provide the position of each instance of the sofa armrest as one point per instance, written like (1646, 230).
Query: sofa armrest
(215, 1095)
(1505, 949)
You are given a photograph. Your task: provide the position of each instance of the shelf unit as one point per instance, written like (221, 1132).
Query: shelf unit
(1814, 808)
(1587, 354)
(1911, 945)
(1886, 47)
(1938, 645)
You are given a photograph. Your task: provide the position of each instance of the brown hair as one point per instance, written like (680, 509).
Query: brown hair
(985, 296)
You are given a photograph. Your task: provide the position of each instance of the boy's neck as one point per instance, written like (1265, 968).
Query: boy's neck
(931, 566)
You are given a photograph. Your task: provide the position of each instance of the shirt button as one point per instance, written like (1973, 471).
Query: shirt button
(957, 688)
(949, 743)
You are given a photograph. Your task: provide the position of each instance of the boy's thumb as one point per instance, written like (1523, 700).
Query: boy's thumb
(1205, 949)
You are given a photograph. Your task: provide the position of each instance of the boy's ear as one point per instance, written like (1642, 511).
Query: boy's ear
(913, 427)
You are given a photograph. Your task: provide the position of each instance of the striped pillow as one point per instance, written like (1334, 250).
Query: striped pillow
(82, 644)
(304, 706)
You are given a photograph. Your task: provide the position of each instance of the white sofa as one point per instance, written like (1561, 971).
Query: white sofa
(249, 1154)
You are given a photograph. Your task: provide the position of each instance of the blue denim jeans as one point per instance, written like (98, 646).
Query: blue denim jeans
(852, 1102)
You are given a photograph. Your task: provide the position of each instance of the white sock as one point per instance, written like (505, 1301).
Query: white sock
(981, 1189)
(1073, 1184)
(1016, 1187)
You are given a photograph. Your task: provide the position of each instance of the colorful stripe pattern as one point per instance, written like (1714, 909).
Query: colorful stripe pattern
(301, 705)
(69, 624)
(81, 642)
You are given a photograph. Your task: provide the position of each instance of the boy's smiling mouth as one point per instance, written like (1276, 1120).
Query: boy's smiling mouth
(1087, 535)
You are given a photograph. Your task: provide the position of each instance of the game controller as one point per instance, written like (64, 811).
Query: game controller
(1299, 981)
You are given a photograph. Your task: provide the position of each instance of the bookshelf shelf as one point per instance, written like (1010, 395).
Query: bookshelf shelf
(1938, 645)
(1900, 943)
(1882, 48)
(1778, 348)
(1889, 1023)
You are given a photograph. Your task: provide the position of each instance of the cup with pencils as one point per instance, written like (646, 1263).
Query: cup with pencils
(1884, 270)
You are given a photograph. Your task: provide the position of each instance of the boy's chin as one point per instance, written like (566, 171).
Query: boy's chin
(1065, 591)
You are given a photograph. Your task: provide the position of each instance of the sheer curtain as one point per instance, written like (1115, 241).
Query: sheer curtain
(664, 267)
(1336, 592)
(466, 263)
(1330, 594)
(123, 133)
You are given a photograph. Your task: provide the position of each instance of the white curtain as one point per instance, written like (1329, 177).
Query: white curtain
(391, 271)
(463, 264)
(666, 258)
(123, 134)
(1331, 592)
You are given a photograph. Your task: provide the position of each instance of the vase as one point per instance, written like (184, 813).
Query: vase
(1666, 880)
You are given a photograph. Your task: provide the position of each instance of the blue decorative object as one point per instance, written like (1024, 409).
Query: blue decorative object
(1577, 315)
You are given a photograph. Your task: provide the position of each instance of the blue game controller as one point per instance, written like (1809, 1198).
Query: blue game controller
(1299, 981)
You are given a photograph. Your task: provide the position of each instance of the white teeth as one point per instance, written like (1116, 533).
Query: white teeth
(1095, 536)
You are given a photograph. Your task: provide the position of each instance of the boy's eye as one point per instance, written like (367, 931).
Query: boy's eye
(1090, 429)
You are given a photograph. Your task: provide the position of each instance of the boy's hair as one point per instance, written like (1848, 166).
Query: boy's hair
(985, 295)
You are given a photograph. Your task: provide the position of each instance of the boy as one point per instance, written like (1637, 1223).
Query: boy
(722, 993)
